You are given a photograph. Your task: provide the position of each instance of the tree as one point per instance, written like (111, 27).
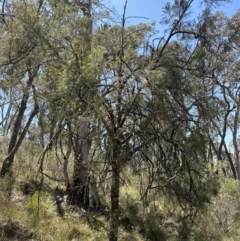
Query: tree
(108, 91)
(217, 94)
(20, 67)
(126, 105)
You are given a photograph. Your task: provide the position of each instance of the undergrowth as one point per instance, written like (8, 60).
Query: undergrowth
(28, 211)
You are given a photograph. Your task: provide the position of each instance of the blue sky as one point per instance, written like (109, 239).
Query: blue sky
(152, 9)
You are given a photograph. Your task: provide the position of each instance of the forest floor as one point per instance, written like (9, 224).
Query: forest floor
(35, 216)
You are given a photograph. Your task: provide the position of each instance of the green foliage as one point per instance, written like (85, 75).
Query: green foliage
(7, 184)
(159, 105)
(217, 220)
(149, 222)
(230, 187)
(34, 206)
(29, 186)
(160, 219)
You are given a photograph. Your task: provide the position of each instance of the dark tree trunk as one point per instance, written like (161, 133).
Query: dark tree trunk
(115, 187)
(8, 161)
(113, 234)
(79, 192)
(15, 143)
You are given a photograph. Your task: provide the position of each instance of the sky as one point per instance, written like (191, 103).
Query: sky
(152, 9)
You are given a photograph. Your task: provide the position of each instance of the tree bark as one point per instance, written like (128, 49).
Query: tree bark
(79, 192)
(115, 185)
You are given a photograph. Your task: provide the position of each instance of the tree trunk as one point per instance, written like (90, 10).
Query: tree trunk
(235, 141)
(114, 216)
(115, 188)
(79, 193)
(14, 144)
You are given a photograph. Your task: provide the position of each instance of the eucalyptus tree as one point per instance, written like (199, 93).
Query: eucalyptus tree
(233, 73)
(67, 85)
(216, 79)
(20, 65)
(30, 50)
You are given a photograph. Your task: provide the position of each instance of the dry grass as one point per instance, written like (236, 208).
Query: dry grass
(32, 216)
